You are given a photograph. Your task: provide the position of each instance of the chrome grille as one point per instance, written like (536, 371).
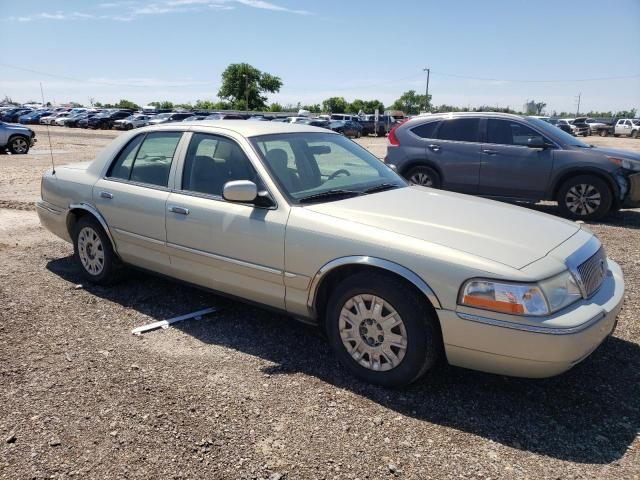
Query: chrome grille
(593, 272)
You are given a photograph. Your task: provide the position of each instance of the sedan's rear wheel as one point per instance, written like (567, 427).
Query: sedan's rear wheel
(585, 197)
(380, 333)
(93, 252)
(19, 145)
(424, 176)
(603, 133)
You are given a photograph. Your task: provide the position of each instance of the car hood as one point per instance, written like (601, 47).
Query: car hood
(511, 235)
(617, 153)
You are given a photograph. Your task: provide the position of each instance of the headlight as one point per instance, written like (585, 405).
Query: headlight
(625, 163)
(535, 299)
(511, 298)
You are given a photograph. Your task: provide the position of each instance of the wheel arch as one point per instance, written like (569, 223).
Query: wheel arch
(574, 172)
(421, 162)
(336, 270)
(79, 210)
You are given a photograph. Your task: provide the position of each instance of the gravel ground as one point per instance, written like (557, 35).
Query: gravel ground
(245, 393)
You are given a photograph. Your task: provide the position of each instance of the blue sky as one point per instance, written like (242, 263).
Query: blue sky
(146, 50)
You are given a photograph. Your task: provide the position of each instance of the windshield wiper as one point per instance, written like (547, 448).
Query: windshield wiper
(381, 188)
(336, 193)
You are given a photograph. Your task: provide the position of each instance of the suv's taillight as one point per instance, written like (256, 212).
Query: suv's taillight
(393, 139)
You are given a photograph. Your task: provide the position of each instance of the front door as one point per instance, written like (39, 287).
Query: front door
(231, 247)
(132, 198)
(509, 167)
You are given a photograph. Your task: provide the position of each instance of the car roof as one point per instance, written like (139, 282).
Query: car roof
(244, 128)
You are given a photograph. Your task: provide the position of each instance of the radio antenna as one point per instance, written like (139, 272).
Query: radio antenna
(48, 134)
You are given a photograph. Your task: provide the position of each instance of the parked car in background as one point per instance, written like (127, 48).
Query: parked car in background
(168, 117)
(317, 122)
(594, 125)
(33, 117)
(581, 127)
(47, 120)
(12, 116)
(304, 221)
(74, 122)
(105, 120)
(62, 118)
(515, 158)
(195, 118)
(136, 120)
(561, 124)
(16, 139)
(369, 125)
(628, 127)
(225, 116)
(347, 128)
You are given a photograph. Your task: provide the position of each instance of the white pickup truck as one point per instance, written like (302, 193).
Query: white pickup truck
(623, 126)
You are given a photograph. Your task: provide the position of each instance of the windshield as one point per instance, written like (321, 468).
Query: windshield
(636, 121)
(309, 164)
(556, 133)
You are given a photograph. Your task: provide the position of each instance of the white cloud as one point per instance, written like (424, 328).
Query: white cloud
(270, 6)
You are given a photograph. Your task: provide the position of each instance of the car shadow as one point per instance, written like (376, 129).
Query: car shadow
(621, 218)
(590, 414)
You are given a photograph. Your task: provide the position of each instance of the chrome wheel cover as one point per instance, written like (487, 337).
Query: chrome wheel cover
(583, 199)
(372, 332)
(91, 251)
(19, 145)
(422, 179)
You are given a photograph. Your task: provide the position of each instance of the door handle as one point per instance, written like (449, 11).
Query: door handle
(180, 210)
(434, 147)
(489, 151)
(108, 195)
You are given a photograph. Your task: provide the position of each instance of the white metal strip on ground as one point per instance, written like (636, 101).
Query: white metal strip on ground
(166, 323)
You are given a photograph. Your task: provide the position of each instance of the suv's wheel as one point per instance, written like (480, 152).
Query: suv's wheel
(585, 197)
(604, 133)
(19, 145)
(424, 176)
(380, 332)
(634, 134)
(93, 251)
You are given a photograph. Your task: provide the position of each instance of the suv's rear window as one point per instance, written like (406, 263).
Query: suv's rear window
(460, 129)
(426, 130)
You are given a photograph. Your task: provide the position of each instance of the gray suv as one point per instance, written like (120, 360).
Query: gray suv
(16, 138)
(514, 158)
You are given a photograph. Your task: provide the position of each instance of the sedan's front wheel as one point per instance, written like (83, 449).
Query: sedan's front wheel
(381, 332)
(93, 252)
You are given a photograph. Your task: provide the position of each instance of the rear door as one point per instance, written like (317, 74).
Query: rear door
(456, 151)
(509, 168)
(132, 198)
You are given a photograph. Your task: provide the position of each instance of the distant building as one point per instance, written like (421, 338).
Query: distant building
(530, 108)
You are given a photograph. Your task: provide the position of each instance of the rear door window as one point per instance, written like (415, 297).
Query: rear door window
(426, 130)
(460, 130)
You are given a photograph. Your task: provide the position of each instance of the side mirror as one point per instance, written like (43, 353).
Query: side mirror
(536, 142)
(243, 191)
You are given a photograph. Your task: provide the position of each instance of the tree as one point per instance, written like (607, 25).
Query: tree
(356, 106)
(539, 107)
(242, 82)
(163, 105)
(275, 107)
(335, 105)
(411, 103)
(316, 108)
(127, 104)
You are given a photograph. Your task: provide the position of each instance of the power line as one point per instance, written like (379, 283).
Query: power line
(564, 80)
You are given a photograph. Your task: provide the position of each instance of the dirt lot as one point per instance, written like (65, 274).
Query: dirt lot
(246, 393)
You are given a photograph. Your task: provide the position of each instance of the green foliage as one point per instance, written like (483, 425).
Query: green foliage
(275, 107)
(411, 103)
(162, 105)
(127, 104)
(540, 107)
(335, 105)
(316, 108)
(367, 106)
(241, 81)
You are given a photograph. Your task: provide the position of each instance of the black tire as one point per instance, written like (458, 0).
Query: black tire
(424, 176)
(423, 337)
(19, 145)
(594, 187)
(616, 135)
(634, 134)
(108, 273)
(604, 133)
(380, 133)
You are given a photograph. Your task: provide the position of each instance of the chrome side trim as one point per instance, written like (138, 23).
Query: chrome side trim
(222, 258)
(574, 260)
(373, 262)
(139, 237)
(46, 206)
(94, 211)
(531, 328)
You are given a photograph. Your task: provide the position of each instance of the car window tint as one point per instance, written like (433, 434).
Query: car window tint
(153, 160)
(504, 132)
(211, 162)
(426, 130)
(121, 168)
(459, 129)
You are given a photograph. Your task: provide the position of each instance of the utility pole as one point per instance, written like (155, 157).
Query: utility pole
(578, 111)
(426, 101)
(246, 92)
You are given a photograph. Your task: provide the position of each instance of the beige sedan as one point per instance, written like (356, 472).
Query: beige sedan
(303, 220)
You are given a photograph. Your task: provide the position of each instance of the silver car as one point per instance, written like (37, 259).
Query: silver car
(307, 222)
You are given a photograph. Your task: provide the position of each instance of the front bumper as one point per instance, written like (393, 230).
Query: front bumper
(535, 351)
(632, 200)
